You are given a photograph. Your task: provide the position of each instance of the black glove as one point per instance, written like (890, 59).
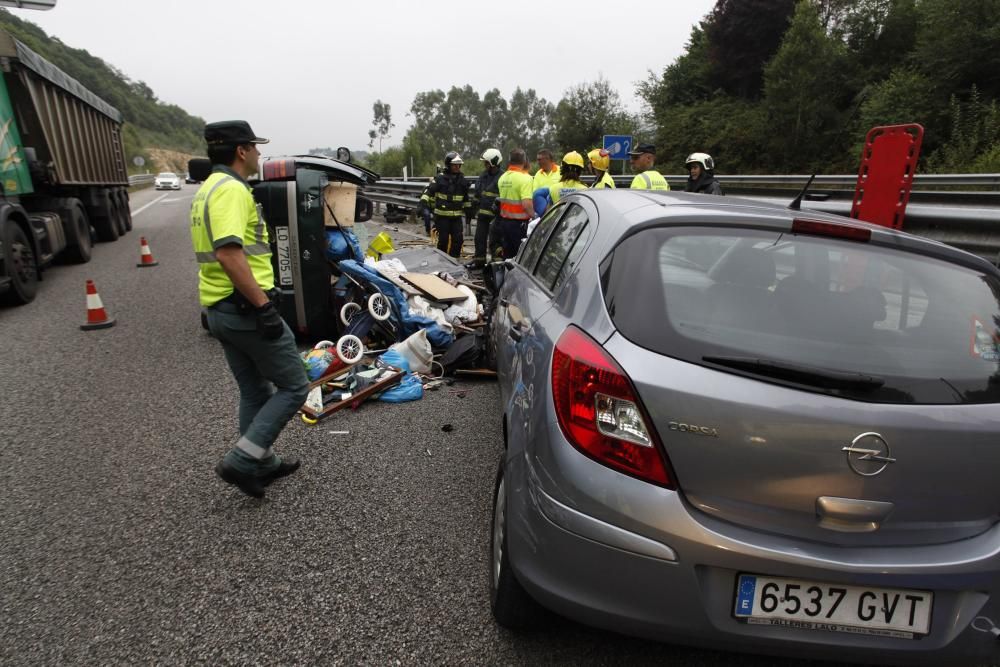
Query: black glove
(269, 324)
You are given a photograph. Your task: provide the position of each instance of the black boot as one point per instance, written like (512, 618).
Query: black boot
(247, 482)
(284, 469)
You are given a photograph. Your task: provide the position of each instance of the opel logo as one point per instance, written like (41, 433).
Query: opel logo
(868, 454)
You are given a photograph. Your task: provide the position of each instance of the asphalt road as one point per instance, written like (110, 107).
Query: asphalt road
(118, 545)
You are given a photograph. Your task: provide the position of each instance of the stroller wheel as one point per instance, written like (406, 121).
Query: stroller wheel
(378, 306)
(349, 310)
(323, 344)
(350, 349)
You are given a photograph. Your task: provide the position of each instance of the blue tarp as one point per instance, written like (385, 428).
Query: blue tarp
(409, 324)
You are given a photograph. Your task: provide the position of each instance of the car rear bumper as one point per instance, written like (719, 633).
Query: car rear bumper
(681, 587)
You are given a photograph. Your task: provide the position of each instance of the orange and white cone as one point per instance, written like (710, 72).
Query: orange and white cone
(147, 256)
(97, 317)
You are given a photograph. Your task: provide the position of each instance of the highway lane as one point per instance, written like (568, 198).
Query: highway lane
(119, 545)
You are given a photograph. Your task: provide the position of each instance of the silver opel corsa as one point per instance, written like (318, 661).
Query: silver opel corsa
(749, 427)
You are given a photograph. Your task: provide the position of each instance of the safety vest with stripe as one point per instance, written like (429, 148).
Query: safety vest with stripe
(223, 213)
(514, 187)
(605, 182)
(650, 180)
(563, 188)
(447, 195)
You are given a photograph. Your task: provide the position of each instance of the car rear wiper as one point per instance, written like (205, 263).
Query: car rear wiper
(811, 375)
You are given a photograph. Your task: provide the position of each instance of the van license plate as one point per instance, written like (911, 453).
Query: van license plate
(890, 612)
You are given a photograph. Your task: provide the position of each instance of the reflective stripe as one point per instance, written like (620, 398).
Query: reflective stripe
(206, 257)
(448, 214)
(208, 224)
(649, 181)
(254, 450)
(257, 249)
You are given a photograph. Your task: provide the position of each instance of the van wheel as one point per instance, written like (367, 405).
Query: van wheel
(511, 605)
(20, 264)
(79, 245)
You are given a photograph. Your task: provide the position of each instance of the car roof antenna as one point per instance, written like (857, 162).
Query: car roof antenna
(797, 202)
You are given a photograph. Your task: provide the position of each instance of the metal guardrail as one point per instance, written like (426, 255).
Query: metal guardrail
(141, 179)
(969, 220)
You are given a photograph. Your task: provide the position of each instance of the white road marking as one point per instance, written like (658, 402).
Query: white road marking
(143, 208)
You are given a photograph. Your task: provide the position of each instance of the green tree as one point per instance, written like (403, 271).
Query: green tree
(586, 113)
(741, 36)
(804, 91)
(382, 122)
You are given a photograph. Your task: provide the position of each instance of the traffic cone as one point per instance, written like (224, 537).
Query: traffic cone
(147, 256)
(97, 317)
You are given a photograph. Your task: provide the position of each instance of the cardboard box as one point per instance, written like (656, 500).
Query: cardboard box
(342, 198)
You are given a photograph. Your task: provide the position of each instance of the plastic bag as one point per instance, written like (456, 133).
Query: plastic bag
(342, 244)
(393, 358)
(410, 389)
(417, 351)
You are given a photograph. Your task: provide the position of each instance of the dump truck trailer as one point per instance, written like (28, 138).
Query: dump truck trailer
(63, 179)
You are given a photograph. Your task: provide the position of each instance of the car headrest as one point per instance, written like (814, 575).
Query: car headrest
(746, 266)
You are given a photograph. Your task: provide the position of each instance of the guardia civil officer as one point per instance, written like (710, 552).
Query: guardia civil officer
(236, 287)
(448, 197)
(646, 178)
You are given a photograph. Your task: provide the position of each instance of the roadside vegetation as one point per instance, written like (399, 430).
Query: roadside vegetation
(148, 121)
(765, 86)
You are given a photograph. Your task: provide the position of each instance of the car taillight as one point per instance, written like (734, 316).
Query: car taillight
(278, 170)
(834, 229)
(599, 411)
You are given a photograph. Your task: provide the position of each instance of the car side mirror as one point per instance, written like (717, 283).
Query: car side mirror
(363, 209)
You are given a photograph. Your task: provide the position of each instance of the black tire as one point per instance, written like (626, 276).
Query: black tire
(511, 605)
(126, 209)
(79, 244)
(20, 263)
(103, 218)
(116, 213)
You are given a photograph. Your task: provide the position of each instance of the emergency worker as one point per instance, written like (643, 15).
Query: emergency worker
(600, 163)
(448, 197)
(548, 170)
(569, 181)
(701, 178)
(513, 204)
(484, 194)
(646, 178)
(236, 287)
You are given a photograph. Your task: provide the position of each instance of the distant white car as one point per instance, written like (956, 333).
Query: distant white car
(168, 181)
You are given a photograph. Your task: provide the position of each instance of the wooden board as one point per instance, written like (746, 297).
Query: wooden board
(355, 399)
(393, 277)
(435, 288)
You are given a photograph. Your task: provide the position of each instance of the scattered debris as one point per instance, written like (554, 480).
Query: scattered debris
(447, 428)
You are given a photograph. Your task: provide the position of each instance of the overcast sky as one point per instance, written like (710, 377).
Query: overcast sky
(306, 72)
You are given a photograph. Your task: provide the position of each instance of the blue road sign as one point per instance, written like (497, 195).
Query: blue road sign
(618, 145)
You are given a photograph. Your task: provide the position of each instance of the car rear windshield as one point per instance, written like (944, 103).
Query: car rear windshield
(853, 319)
(167, 174)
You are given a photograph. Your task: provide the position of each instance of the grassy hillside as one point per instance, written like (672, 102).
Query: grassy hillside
(149, 123)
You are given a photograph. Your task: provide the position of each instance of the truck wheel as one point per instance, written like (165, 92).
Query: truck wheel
(125, 209)
(116, 214)
(77, 229)
(20, 264)
(105, 223)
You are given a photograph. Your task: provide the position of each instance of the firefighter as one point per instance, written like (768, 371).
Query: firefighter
(513, 204)
(236, 288)
(646, 178)
(600, 163)
(447, 197)
(485, 193)
(569, 181)
(701, 170)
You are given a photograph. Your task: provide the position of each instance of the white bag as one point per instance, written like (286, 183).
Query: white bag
(417, 351)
